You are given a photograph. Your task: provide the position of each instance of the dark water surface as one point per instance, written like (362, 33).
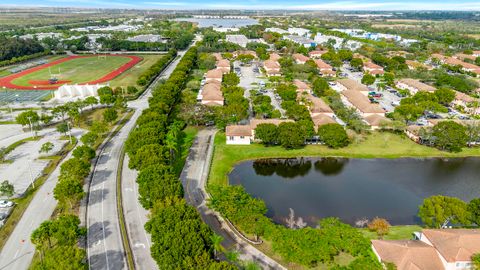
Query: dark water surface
(352, 189)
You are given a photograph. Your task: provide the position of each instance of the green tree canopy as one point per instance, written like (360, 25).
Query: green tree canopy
(267, 133)
(450, 136)
(438, 211)
(333, 135)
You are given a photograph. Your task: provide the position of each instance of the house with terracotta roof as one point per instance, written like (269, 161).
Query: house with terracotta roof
(300, 58)
(237, 134)
(361, 103)
(301, 86)
(412, 65)
(351, 84)
(464, 100)
(214, 75)
(452, 61)
(476, 53)
(455, 247)
(375, 121)
(432, 249)
(373, 69)
(315, 105)
(272, 68)
(463, 56)
(223, 65)
(414, 86)
(324, 68)
(407, 254)
(317, 53)
(274, 57)
(218, 56)
(322, 119)
(211, 94)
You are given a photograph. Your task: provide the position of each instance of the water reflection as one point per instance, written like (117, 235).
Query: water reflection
(355, 188)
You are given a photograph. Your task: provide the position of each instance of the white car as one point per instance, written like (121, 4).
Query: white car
(4, 204)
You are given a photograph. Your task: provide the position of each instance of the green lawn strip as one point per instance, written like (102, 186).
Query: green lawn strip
(21, 204)
(16, 144)
(399, 232)
(7, 122)
(375, 145)
(79, 70)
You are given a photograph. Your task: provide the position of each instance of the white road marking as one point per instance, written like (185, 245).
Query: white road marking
(16, 253)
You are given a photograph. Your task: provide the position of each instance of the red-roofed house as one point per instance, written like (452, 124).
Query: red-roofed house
(372, 68)
(300, 58)
(317, 53)
(272, 68)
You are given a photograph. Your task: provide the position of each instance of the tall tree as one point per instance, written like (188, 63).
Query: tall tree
(438, 211)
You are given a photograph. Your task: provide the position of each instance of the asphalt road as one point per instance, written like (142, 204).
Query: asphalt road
(19, 250)
(104, 242)
(194, 177)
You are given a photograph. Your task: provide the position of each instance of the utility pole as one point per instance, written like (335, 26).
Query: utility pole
(69, 132)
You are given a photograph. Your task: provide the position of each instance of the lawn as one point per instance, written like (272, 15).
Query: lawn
(395, 233)
(130, 77)
(375, 145)
(79, 70)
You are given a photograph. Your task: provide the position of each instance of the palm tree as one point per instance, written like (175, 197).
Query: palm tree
(217, 244)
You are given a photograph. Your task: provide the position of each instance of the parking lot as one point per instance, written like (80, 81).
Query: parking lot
(26, 165)
(23, 96)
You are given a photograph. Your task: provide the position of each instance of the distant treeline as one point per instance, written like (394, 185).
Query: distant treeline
(16, 47)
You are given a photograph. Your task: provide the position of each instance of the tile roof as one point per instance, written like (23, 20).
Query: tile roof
(455, 244)
(255, 122)
(418, 85)
(351, 84)
(271, 64)
(214, 74)
(361, 102)
(274, 57)
(375, 120)
(238, 130)
(300, 57)
(301, 86)
(408, 254)
(322, 65)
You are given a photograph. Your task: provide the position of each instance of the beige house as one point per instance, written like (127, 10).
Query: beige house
(317, 53)
(476, 53)
(314, 104)
(238, 134)
(300, 58)
(322, 119)
(413, 86)
(218, 56)
(463, 56)
(223, 65)
(361, 103)
(272, 68)
(274, 57)
(214, 75)
(412, 65)
(433, 249)
(375, 121)
(324, 68)
(373, 69)
(464, 100)
(301, 86)
(350, 84)
(211, 94)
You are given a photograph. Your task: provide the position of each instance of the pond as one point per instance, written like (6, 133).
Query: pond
(352, 189)
(225, 23)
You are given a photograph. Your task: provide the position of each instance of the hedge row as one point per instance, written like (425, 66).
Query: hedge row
(23, 58)
(180, 239)
(148, 75)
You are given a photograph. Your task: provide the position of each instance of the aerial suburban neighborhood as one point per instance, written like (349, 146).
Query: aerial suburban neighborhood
(258, 135)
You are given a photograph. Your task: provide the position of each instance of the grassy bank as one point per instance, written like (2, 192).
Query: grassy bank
(375, 145)
(14, 145)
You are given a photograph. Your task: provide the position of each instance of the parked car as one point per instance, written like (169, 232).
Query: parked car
(395, 103)
(209, 123)
(372, 100)
(3, 216)
(4, 204)
(463, 117)
(331, 83)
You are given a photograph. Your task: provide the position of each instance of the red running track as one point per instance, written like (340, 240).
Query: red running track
(7, 81)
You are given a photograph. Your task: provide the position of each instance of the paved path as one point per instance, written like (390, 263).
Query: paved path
(18, 250)
(194, 177)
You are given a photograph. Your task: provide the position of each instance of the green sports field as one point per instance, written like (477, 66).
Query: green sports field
(79, 70)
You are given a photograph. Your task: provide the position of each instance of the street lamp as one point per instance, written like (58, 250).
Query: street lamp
(31, 126)
(69, 132)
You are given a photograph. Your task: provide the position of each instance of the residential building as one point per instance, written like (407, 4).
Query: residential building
(300, 58)
(305, 42)
(476, 53)
(361, 103)
(247, 52)
(375, 121)
(241, 40)
(274, 57)
(298, 31)
(467, 102)
(272, 68)
(373, 69)
(317, 53)
(463, 56)
(301, 86)
(338, 43)
(276, 30)
(314, 104)
(412, 65)
(147, 38)
(211, 94)
(214, 75)
(432, 249)
(322, 119)
(414, 86)
(351, 84)
(223, 65)
(238, 134)
(218, 56)
(324, 68)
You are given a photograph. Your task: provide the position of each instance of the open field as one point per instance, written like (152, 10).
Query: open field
(89, 69)
(375, 145)
(130, 76)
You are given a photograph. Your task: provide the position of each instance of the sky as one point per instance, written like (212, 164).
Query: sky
(467, 5)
